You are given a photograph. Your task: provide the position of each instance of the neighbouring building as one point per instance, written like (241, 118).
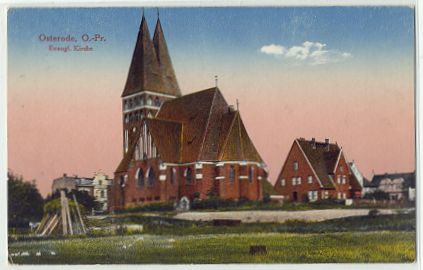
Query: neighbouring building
(316, 171)
(398, 186)
(179, 147)
(96, 186)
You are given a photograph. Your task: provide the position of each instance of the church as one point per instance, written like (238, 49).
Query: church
(176, 146)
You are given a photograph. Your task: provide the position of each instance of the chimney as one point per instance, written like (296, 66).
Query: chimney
(313, 143)
(327, 144)
(231, 108)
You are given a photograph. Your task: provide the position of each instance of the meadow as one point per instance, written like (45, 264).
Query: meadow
(339, 247)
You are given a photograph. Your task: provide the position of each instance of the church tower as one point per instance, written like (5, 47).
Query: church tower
(151, 81)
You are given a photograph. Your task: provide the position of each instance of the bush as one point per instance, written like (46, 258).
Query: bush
(152, 207)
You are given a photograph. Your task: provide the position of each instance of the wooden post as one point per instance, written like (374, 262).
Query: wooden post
(68, 216)
(79, 214)
(63, 212)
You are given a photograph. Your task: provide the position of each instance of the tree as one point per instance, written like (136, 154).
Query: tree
(25, 203)
(83, 198)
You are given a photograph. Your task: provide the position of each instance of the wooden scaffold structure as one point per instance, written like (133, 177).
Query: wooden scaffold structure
(69, 217)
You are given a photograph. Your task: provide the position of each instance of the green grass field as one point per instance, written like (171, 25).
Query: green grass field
(343, 247)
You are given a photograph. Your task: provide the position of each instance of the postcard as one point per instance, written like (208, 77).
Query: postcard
(211, 135)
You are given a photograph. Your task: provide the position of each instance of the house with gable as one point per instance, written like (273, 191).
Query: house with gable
(316, 171)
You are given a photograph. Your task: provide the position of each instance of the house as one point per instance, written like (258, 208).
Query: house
(316, 171)
(96, 186)
(397, 186)
(179, 147)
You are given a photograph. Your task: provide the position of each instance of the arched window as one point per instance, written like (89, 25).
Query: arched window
(149, 101)
(232, 174)
(122, 181)
(151, 177)
(172, 176)
(140, 177)
(157, 102)
(251, 174)
(188, 176)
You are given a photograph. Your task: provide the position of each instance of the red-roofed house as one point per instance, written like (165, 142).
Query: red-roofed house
(178, 146)
(315, 171)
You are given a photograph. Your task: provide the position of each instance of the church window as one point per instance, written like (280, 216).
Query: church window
(140, 177)
(172, 176)
(188, 176)
(149, 101)
(251, 174)
(157, 102)
(151, 177)
(232, 174)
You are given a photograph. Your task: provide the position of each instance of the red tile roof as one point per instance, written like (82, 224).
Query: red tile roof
(323, 159)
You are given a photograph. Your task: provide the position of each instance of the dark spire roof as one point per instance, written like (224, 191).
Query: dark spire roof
(165, 63)
(145, 73)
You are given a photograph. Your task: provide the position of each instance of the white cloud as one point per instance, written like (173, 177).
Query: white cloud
(314, 53)
(273, 49)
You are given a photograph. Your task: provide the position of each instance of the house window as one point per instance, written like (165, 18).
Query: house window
(251, 174)
(140, 177)
(296, 166)
(102, 194)
(151, 177)
(344, 195)
(173, 176)
(341, 169)
(283, 182)
(122, 181)
(294, 181)
(310, 179)
(298, 180)
(232, 174)
(149, 101)
(344, 179)
(100, 183)
(339, 195)
(338, 179)
(312, 196)
(188, 176)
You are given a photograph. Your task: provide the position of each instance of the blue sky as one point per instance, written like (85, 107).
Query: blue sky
(379, 32)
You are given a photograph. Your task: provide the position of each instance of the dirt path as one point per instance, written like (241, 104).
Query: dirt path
(279, 216)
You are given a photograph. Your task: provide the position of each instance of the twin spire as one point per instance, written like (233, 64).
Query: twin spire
(151, 67)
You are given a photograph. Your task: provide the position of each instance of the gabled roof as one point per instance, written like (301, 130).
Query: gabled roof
(146, 72)
(198, 127)
(354, 183)
(322, 157)
(409, 179)
(167, 138)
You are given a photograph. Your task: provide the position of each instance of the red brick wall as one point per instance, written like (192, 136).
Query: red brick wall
(342, 170)
(288, 172)
(132, 194)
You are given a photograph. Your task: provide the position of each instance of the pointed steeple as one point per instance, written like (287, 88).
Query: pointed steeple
(145, 73)
(165, 63)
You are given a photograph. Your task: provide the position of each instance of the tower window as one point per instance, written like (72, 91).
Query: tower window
(157, 102)
(232, 174)
(151, 177)
(140, 178)
(188, 176)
